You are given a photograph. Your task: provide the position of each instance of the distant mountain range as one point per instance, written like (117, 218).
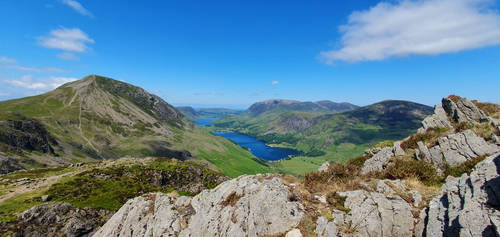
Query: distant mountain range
(97, 118)
(344, 130)
(201, 113)
(324, 106)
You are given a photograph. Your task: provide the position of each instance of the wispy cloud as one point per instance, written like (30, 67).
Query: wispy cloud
(34, 69)
(27, 82)
(4, 59)
(3, 94)
(273, 83)
(417, 27)
(78, 7)
(69, 40)
(12, 63)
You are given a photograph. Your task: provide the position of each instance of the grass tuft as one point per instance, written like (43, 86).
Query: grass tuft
(429, 137)
(231, 199)
(466, 167)
(407, 168)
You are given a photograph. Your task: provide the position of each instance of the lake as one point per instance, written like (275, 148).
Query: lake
(257, 147)
(205, 122)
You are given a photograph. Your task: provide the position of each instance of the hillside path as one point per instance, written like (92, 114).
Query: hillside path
(37, 184)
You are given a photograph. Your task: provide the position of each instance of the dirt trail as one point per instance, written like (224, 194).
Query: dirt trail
(47, 181)
(36, 184)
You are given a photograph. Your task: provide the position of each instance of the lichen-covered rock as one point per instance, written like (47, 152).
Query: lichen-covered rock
(455, 149)
(467, 206)
(154, 214)
(460, 147)
(379, 161)
(57, 219)
(438, 119)
(380, 213)
(381, 157)
(433, 155)
(245, 206)
(463, 111)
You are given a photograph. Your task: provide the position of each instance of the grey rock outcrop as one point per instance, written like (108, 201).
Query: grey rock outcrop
(398, 151)
(438, 119)
(455, 149)
(57, 219)
(380, 213)
(463, 111)
(467, 206)
(379, 161)
(8, 165)
(245, 206)
(381, 157)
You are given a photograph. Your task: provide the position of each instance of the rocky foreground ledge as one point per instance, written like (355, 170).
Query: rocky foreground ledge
(245, 206)
(264, 206)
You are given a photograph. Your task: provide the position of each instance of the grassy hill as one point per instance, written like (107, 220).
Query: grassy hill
(97, 118)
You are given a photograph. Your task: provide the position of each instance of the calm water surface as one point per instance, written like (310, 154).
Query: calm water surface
(205, 122)
(258, 148)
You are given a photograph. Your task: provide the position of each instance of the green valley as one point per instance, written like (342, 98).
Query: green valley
(324, 137)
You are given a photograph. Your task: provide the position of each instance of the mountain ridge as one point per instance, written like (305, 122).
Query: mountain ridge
(323, 106)
(98, 117)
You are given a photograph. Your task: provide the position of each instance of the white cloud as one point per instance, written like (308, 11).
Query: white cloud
(27, 82)
(72, 40)
(3, 94)
(4, 59)
(68, 56)
(78, 7)
(274, 83)
(417, 27)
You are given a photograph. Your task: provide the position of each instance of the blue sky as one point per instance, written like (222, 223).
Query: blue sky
(234, 53)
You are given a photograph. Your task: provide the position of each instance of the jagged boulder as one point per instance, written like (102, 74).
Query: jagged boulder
(384, 212)
(467, 206)
(378, 161)
(57, 219)
(438, 119)
(463, 110)
(245, 206)
(455, 149)
(381, 157)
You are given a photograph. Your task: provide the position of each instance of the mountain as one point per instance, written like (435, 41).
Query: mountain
(189, 112)
(96, 118)
(201, 113)
(334, 136)
(324, 106)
